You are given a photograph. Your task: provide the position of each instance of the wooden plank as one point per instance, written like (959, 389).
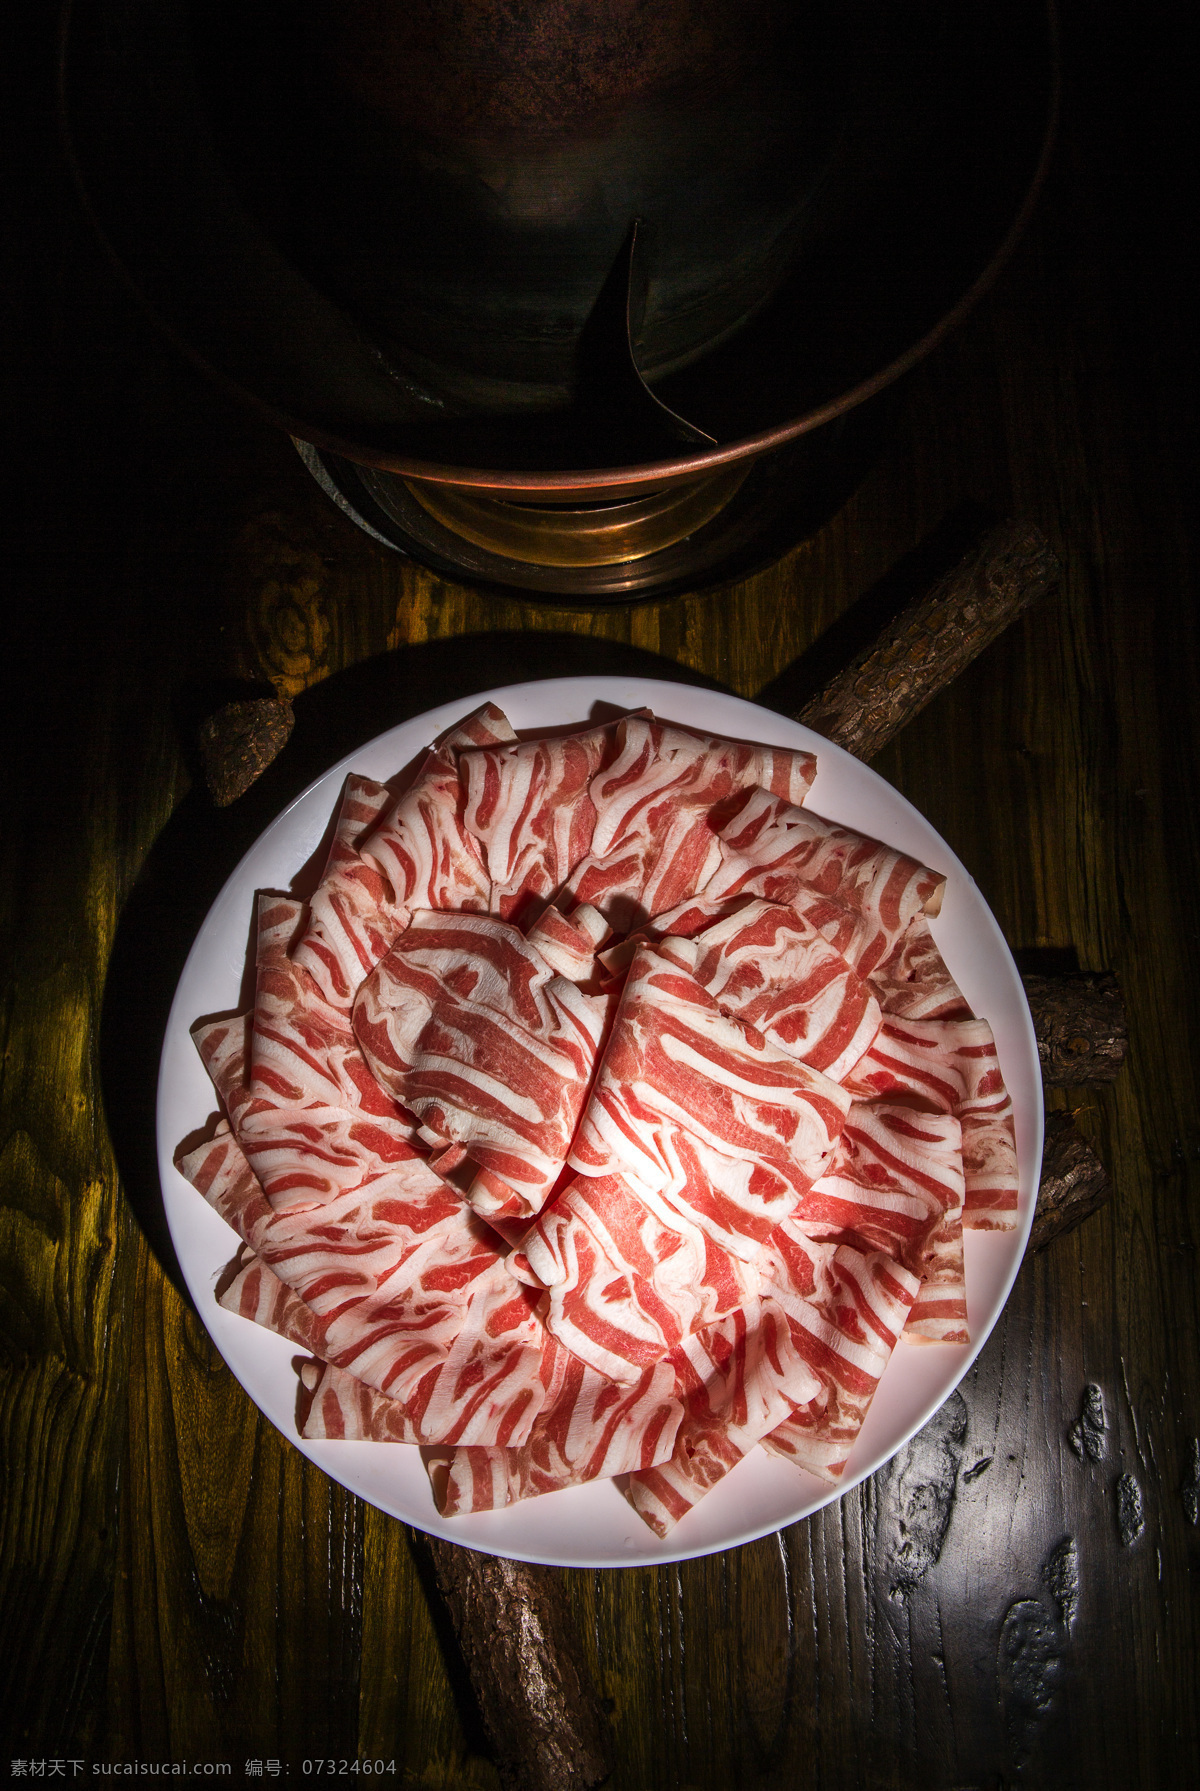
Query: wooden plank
(170, 546)
(409, 1707)
(68, 1239)
(238, 1618)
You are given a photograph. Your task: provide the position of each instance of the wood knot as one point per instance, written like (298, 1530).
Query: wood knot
(281, 584)
(921, 1489)
(1088, 1436)
(1131, 1510)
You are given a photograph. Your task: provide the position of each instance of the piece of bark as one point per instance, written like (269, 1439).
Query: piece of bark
(1074, 1182)
(239, 741)
(519, 1645)
(933, 639)
(1079, 1020)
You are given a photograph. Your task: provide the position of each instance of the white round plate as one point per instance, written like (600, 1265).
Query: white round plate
(593, 1526)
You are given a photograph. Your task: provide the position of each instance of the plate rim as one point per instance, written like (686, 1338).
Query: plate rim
(648, 1550)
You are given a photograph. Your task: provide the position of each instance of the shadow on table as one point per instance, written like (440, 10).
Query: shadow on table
(201, 844)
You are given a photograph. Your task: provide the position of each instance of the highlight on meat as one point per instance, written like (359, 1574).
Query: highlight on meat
(604, 1113)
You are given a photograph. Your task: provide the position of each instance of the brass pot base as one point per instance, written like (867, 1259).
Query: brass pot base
(580, 534)
(781, 499)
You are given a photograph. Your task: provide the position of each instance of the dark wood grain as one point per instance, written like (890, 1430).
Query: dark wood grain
(238, 1613)
(172, 1575)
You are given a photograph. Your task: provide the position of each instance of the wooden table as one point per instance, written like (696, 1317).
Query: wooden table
(177, 1582)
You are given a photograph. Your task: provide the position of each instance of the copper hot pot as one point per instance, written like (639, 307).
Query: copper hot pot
(581, 296)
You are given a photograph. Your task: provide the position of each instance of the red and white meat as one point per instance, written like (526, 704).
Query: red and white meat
(466, 1024)
(626, 1277)
(847, 1310)
(693, 1106)
(653, 839)
(552, 1244)
(951, 1066)
(791, 855)
(771, 969)
(389, 858)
